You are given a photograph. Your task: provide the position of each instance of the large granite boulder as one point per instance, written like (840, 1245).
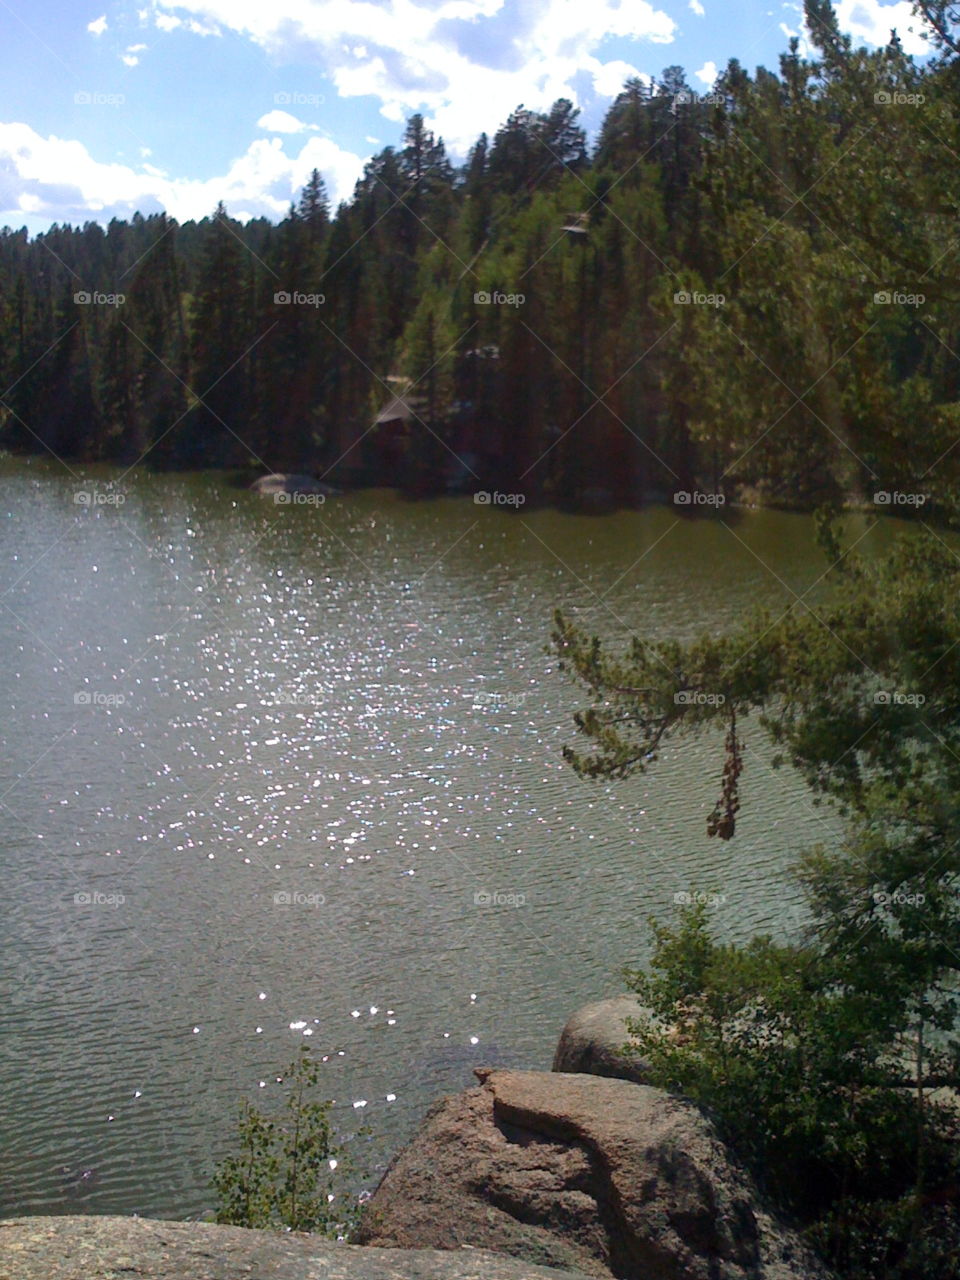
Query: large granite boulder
(603, 1176)
(92, 1248)
(593, 1039)
(290, 483)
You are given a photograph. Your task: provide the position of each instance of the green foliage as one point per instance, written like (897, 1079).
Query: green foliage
(821, 1059)
(283, 1173)
(798, 200)
(801, 1064)
(808, 1065)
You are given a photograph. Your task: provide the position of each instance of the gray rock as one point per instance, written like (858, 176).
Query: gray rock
(593, 1038)
(291, 483)
(602, 1176)
(94, 1248)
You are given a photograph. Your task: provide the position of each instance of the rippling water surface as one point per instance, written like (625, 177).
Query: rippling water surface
(281, 772)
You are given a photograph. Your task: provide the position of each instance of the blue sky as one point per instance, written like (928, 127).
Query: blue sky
(108, 107)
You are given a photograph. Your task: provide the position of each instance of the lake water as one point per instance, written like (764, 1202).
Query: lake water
(312, 786)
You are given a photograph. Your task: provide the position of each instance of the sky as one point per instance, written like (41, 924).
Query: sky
(108, 107)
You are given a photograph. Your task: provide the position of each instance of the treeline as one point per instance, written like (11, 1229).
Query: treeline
(752, 291)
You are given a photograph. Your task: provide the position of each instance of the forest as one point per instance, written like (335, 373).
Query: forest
(750, 292)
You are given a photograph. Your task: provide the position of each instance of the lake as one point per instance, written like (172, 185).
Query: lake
(283, 772)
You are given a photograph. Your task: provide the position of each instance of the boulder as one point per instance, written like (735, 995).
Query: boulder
(593, 1038)
(94, 1248)
(602, 1176)
(281, 482)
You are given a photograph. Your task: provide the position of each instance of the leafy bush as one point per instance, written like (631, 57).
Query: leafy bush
(284, 1173)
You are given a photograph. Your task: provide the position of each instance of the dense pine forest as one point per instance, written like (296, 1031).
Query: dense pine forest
(751, 291)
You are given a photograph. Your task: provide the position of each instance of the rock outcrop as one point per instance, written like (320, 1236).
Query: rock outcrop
(93, 1248)
(604, 1176)
(593, 1038)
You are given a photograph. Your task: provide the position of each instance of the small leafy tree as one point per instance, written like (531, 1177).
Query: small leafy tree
(283, 1174)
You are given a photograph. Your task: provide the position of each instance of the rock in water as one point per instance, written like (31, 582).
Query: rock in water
(93, 1248)
(281, 482)
(602, 1176)
(592, 1040)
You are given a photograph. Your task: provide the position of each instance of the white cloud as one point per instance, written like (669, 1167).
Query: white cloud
(610, 77)
(707, 73)
(465, 63)
(98, 26)
(58, 178)
(697, 8)
(165, 21)
(283, 122)
(871, 22)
